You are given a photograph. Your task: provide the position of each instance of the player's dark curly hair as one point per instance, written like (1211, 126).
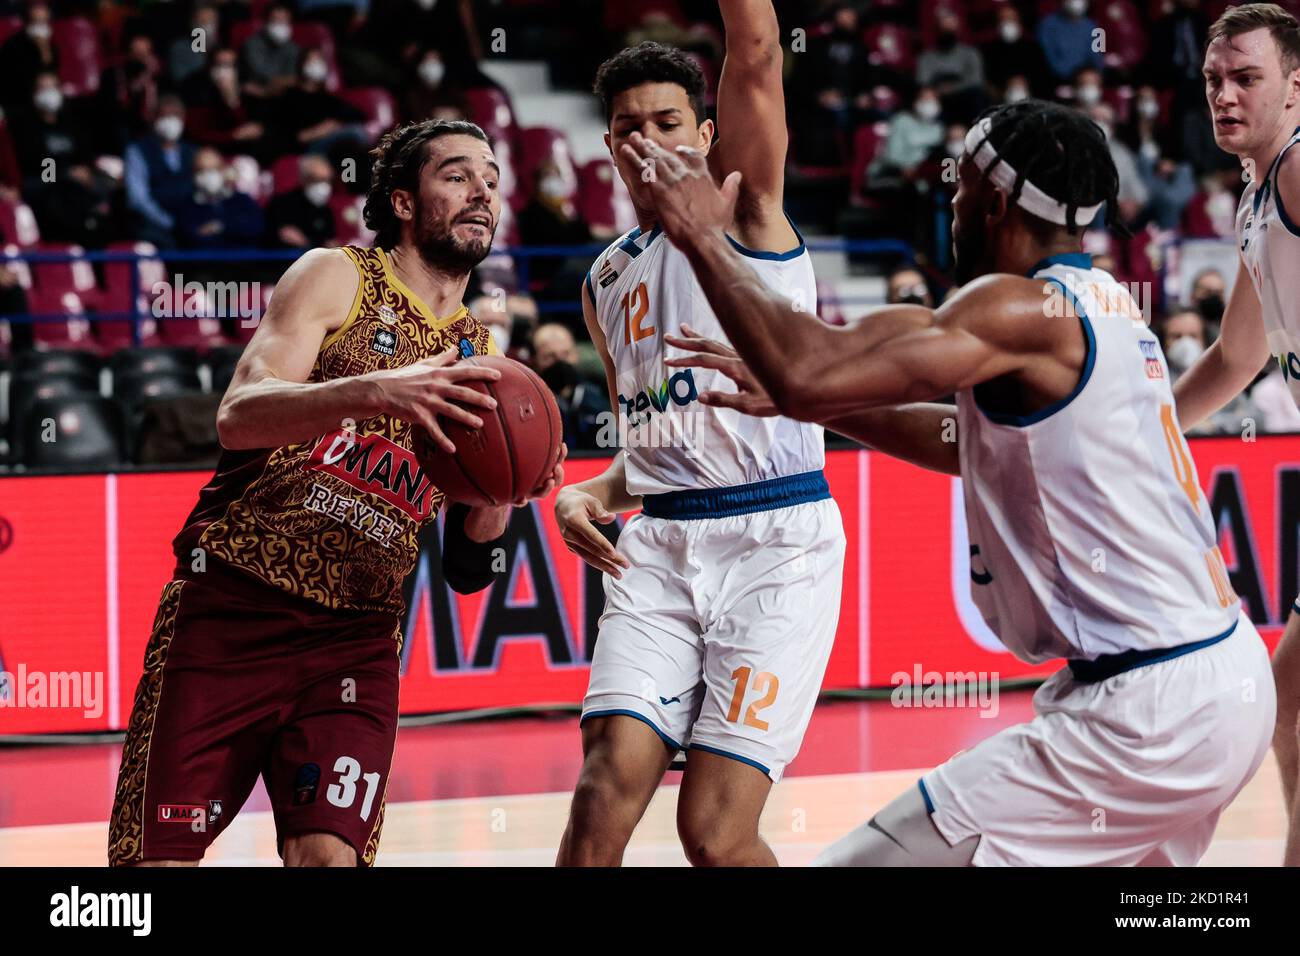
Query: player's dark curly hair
(1061, 151)
(650, 62)
(397, 162)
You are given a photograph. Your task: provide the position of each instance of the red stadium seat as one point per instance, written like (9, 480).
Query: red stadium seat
(537, 144)
(284, 175)
(115, 296)
(1126, 39)
(867, 143)
(930, 19)
(79, 58)
(184, 328)
(891, 47)
(597, 199)
(71, 332)
(377, 103)
(18, 224)
(1119, 99)
(349, 224)
(490, 108)
(9, 26)
(76, 275)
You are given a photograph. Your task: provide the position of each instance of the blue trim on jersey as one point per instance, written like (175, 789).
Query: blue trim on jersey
(925, 795)
(774, 256)
(590, 291)
(1089, 362)
(727, 753)
(628, 243)
(1295, 606)
(1079, 260)
(1108, 665)
(1291, 227)
(631, 713)
(766, 495)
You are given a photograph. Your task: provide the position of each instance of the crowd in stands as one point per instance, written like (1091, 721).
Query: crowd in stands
(157, 127)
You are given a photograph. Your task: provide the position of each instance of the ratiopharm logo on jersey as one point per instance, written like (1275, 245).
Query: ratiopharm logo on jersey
(376, 465)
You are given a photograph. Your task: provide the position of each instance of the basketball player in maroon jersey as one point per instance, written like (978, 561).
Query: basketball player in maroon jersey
(275, 647)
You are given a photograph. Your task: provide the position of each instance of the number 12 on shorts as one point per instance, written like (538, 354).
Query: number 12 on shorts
(765, 683)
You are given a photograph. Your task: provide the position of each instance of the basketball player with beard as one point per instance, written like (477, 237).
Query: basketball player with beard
(275, 649)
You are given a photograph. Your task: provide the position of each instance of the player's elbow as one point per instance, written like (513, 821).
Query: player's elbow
(230, 431)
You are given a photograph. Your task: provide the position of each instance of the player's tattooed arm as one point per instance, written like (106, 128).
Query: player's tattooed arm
(1231, 362)
(269, 401)
(920, 433)
(752, 136)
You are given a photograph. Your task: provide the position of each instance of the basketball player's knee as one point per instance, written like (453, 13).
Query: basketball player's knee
(606, 796)
(318, 850)
(714, 839)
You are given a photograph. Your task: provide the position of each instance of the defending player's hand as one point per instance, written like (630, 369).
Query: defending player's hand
(418, 393)
(688, 203)
(555, 480)
(751, 398)
(575, 512)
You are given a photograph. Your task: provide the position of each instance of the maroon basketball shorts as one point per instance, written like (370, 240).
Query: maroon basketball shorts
(241, 679)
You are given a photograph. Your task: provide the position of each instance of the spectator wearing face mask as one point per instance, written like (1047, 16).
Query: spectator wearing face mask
(1185, 336)
(1212, 212)
(189, 53)
(1209, 294)
(25, 56)
(907, 286)
(309, 118)
(551, 219)
(584, 405)
(215, 216)
(159, 175)
(219, 114)
(44, 132)
(429, 89)
(1011, 54)
(954, 69)
(1132, 194)
(1170, 182)
(1066, 36)
(129, 91)
(270, 57)
(1017, 89)
(511, 320)
(913, 135)
(302, 218)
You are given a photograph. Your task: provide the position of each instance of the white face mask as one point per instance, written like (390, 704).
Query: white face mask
(169, 128)
(279, 32)
(1150, 150)
(552, 187)
(426, 5)
(210, 181)
(315, 70)
(1016, 93)
(1183, 352)
(501, 336)
(954, 148)
(1088, 95)
(1009, 31)
(1148, 108)
(318, 194)
(48, 100)
(38, 31)
(432, 72)
(224, 74)
(1077, 7)
(927, 110)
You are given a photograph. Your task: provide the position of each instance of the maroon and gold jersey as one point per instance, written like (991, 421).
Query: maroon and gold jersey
(335, 519)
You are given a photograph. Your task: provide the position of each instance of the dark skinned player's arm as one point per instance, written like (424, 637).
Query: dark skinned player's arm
(752, 136)
(816, 372)
(921, 433)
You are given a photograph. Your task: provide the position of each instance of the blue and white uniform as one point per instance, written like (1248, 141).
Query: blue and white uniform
(719, 633)
(1092, 540)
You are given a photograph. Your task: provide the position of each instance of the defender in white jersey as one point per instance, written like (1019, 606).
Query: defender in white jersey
(1252, 84)
(723, 595)
(1068, 447)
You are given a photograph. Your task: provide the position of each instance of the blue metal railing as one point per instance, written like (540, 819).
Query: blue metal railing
(522, 257)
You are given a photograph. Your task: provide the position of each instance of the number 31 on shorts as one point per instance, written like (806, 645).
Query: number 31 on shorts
(765, 683)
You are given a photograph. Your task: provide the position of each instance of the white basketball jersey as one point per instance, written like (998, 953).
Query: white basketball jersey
(1089, 531)
(643, 287)
(1269, 240)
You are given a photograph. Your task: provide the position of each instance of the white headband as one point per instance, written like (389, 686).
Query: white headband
(1031, 199)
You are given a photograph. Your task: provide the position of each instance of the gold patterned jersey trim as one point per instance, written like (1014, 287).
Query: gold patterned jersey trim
(126, 827)
(356, 302)
(416, 302)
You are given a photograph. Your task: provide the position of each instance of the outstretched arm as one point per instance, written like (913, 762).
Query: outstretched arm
(752, 136)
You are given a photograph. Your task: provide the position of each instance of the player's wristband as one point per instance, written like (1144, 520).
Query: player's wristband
(466, 563)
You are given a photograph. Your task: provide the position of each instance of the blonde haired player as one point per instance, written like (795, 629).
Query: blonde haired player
(1252, 84)
(722, 606)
